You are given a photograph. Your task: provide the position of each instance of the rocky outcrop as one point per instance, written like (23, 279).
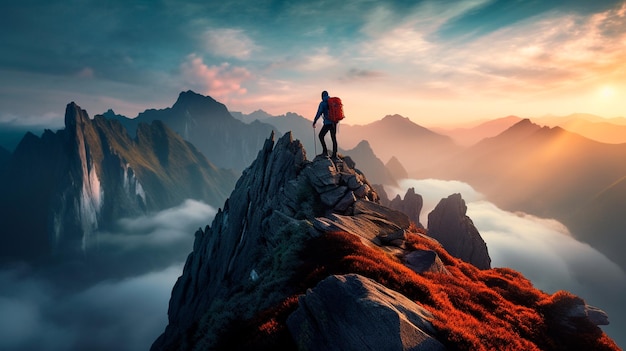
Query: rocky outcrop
(449, 224)
(411, 204)
(62, 187)
(421, 261)
(338, 184)
(338, 314)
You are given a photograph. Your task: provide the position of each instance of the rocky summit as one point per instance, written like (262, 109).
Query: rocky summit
(303, 256)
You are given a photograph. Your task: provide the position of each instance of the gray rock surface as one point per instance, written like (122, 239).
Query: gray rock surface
(449, 224)
(411, 205)
(351, 312)
(421, 261)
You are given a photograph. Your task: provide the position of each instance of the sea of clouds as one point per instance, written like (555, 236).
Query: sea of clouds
(122, 308)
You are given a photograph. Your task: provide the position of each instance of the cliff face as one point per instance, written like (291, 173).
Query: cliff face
(58, 190)
(303, 256)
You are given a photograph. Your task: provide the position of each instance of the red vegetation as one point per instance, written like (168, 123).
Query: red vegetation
(474, 309)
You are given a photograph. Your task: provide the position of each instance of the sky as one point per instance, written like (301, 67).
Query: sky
(438, 62)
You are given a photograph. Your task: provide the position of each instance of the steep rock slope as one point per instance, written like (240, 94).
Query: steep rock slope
(61, 188)
(294, 232)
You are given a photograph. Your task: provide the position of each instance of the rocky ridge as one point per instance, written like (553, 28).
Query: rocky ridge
(286, 221)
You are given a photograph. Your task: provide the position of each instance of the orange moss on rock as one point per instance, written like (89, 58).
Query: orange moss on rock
(496, 309)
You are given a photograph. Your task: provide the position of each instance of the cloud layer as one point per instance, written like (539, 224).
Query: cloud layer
(115, 300)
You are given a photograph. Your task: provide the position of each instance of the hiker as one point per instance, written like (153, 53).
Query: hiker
(328, 125)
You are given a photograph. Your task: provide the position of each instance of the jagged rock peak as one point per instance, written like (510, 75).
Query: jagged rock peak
(190, 97)
(74, 115)
(449, 224)
(411, 205)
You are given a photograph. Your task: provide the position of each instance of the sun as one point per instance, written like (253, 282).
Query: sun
(607, 92)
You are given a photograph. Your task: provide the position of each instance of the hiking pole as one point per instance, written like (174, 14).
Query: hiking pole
(314, 142)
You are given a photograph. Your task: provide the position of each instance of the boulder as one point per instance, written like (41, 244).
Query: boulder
(339, 312)
(421, 261)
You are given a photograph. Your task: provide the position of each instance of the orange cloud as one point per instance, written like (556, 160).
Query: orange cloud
(217, 81)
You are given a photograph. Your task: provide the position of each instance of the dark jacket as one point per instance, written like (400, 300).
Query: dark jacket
(322, 110)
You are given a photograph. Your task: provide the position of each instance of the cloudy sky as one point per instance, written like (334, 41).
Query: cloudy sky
(434, 61)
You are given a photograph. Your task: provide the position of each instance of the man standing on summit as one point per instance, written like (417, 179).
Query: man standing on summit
(328, 125)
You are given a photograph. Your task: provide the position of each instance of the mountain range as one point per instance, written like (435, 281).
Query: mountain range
(604, 130)
(208, 125)
(59, 189)
(548, 172)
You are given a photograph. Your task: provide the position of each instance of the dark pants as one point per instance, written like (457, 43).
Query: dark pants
(333, 135)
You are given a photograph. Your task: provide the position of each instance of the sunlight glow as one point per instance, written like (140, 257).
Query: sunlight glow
(607, 92)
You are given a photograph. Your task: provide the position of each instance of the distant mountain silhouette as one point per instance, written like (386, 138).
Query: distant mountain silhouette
(366, 160)
(299, 126)
(549, 172)
(396, 168)
(470, 136)
(606, 130)
(209, 126)
(10, 136)
(259, 115)
(416, 147)
(60, 188)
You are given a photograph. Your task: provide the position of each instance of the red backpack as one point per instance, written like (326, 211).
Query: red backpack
(335, 109)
